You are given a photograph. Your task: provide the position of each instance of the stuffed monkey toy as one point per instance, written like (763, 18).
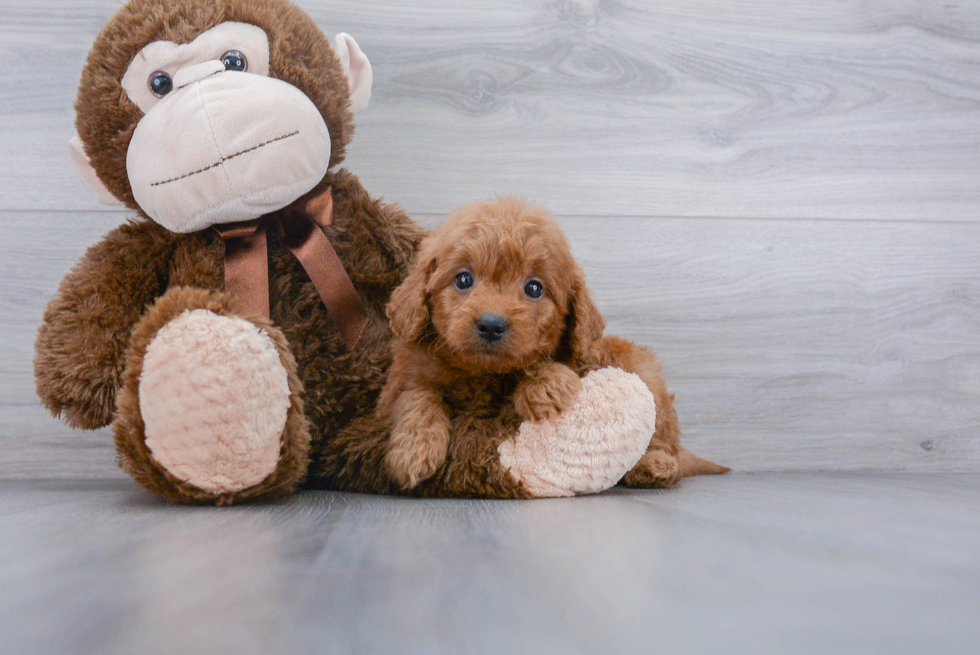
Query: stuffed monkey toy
(236, 325)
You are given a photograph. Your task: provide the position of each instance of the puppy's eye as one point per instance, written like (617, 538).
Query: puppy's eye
(463, 281)
(234, 61)
(160, 83)
(534, 289)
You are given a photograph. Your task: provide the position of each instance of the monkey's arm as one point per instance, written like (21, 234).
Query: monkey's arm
(377, 241)
(80, 347)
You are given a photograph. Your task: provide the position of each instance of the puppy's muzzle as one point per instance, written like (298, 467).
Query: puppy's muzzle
(491, 327)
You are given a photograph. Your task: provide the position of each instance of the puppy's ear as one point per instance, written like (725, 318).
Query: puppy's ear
(407, 309)
(584, 321)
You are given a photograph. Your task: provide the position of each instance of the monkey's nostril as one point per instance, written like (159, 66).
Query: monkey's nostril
(491, 327)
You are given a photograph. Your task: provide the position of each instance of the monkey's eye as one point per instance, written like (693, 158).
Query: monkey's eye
(463, 281)
(234, 61)
(534, 289)
(160, 83)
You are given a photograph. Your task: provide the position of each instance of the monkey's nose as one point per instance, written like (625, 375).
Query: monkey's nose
(491, 327)
(197, 72)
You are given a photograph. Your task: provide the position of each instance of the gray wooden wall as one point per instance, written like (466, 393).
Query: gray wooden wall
(782, 198)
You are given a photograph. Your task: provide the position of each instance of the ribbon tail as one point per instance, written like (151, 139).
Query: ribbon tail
(325, 269)
(247, 272)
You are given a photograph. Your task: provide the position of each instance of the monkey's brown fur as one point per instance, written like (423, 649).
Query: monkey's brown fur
(110, 305)
(451, 397)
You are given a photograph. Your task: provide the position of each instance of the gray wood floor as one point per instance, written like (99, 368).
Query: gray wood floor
(764, 563)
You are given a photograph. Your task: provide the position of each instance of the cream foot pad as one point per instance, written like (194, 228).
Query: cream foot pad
(214, 397)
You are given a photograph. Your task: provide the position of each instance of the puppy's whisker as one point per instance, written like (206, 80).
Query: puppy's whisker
(430, 351)
(435, 343)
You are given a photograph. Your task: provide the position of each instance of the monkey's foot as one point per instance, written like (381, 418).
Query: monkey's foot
(211, 408)
(591, 446)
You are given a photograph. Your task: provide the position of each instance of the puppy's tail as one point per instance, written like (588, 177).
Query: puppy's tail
(691, 464)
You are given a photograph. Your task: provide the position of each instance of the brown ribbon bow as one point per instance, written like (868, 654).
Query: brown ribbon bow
(247, 263)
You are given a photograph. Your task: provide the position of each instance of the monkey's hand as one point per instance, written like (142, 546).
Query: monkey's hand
(546, 391)
(81, 346)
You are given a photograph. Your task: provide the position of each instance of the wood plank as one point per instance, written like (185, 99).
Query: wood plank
(871, 563)
(791, 345)
(851, 109)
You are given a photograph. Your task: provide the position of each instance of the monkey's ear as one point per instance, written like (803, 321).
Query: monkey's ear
(83, 167)
(357, 68)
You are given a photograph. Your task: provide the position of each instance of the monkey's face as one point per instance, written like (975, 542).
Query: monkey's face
(220, 140)
(217, 137)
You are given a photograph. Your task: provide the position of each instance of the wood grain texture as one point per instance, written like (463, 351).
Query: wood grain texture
(759, 108)
(791, 345)
(828, 345)
(870, 563)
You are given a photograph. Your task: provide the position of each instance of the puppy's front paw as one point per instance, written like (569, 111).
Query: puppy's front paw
(656, 469)
(415, 455)
(546, 392)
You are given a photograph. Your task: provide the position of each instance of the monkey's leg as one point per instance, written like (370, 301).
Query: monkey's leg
(211, 407)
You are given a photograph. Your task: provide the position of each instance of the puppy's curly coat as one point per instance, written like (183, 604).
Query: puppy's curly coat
(496, 316)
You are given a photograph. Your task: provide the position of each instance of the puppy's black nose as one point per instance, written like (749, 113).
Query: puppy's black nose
(491, 327)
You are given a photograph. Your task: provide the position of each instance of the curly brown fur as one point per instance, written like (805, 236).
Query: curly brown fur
(545, 391)
(444, 374)
(85, 333)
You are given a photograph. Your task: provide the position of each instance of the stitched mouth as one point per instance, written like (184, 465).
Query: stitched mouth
(224, 159)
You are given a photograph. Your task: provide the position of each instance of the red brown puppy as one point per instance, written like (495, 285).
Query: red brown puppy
(497, 296)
